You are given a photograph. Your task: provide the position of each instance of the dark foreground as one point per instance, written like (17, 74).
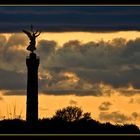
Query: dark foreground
(47, 126)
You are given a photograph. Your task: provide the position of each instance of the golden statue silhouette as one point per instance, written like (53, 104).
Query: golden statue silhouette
(32, 35)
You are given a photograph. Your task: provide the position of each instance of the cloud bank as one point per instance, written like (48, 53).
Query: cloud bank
(118, 117)
(105, 106)
(70, 18)
(83, 69)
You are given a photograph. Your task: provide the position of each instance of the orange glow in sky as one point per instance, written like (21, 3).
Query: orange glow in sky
(48, 104)
(84, 37)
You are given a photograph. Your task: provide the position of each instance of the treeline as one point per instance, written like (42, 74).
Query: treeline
(69, 120)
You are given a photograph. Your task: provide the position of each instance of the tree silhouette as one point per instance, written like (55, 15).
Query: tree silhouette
(70, 114)
(87, 116)
(69, 120)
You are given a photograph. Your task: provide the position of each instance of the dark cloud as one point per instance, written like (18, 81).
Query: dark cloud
(11, 80)
(16, 40)
(14, 92)
(2, 40)
(100, 62)
(135, 115)
(12, 52)
(82, 69)
(115, 117)
(134, 101)
(12, 64)
(129, 92)
(70, 18)
(86, 10)
(46, 49)
(105, 106)
(45, 46)
(73, 102)
(58, 92)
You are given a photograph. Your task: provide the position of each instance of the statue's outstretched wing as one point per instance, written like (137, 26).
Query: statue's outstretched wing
(27, 33)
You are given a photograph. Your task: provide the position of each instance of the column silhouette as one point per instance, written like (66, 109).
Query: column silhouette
(32, 63)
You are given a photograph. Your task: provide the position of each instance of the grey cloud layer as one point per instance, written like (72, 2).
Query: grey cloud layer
(75, 68)
(105, 106)
(70, 18)
(104, 61)
(117, 117)
(115, 63)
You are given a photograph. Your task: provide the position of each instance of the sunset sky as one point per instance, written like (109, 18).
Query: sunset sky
(89, 57)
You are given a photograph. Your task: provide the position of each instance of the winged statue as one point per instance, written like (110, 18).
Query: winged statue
(32, 35)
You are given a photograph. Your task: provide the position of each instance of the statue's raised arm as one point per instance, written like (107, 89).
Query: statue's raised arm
(37, 33)
(32, 36)
(28, 34)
